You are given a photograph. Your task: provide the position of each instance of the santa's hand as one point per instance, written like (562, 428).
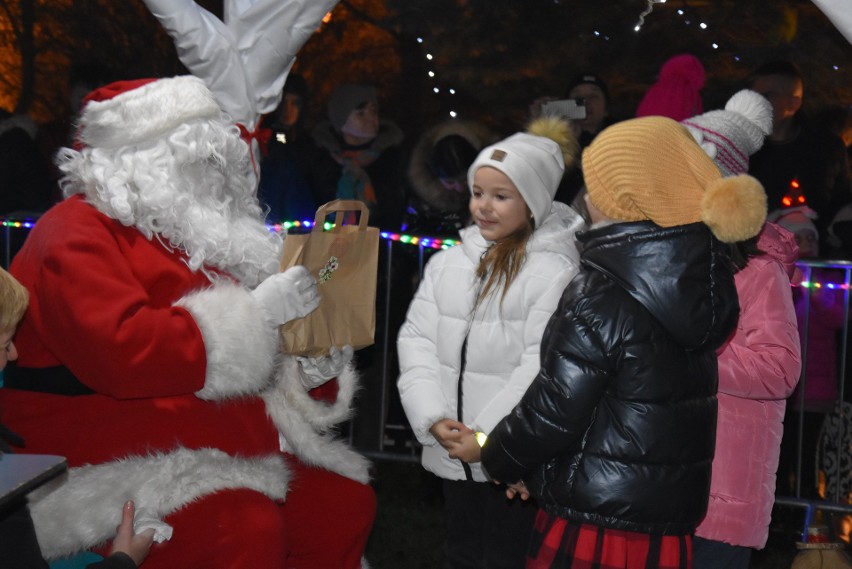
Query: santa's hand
(287, 296)
(316, 371)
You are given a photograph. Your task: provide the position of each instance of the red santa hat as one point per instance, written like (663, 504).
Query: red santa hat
(129, 112)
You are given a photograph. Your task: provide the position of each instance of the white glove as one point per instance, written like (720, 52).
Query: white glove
(315, 371)
(287, 296)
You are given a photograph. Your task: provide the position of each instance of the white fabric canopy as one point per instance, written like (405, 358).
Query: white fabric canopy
(840, 14)
(244, 60)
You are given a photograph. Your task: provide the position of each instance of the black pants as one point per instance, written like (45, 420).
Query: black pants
(710, 554)
(787, 461)
(485, 530)
(18, 544)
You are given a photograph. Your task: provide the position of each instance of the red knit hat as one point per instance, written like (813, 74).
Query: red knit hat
(125, 113)
(676, 93)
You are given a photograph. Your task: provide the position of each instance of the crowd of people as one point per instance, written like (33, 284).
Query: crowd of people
(598, 374)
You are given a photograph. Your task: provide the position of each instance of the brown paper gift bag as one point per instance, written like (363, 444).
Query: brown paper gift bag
(344, 261)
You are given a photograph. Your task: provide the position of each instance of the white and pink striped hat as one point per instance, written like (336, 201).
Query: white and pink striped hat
(731, 135)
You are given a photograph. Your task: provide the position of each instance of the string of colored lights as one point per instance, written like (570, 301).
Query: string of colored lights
(284, 226)
(18, 224)
(445, 243)
(816, 285)
(418, 240)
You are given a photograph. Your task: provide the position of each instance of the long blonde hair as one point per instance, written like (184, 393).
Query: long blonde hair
(502, 262)
(14, 300)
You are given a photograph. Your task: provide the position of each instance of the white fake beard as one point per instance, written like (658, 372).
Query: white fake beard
(192, 190)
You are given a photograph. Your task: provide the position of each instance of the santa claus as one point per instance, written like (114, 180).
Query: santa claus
(149, 356)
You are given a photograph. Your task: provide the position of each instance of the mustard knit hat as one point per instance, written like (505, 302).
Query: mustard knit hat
(651, 168)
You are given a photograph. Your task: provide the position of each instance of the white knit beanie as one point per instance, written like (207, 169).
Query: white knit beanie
(533, 163)
(730, 136)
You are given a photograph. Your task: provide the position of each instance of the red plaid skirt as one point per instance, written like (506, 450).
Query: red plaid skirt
(558, 543)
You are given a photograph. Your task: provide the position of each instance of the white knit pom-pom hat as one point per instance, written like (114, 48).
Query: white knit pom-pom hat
(731, 135)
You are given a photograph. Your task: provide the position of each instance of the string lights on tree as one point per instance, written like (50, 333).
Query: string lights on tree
(645, 12)
(436, 89)
(689, 19)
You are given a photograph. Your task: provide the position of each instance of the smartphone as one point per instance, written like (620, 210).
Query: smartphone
(571, 109)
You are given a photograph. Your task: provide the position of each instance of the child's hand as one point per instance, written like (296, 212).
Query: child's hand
(468, 449)
(517, 489)
(135, 545)
(448, 433)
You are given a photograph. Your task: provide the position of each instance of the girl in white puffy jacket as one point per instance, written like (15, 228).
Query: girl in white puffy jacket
(470, 345)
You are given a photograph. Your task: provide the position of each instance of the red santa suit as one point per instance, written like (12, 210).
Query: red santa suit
(153, 368)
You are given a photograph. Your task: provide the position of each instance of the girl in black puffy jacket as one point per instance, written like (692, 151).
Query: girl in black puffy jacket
(615, 436)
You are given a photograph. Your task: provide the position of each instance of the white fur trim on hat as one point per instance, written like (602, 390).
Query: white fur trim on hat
(533, 163)
(147, 112)
(731, 135)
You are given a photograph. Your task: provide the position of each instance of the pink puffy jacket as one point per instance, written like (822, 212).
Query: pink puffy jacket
(758, 369)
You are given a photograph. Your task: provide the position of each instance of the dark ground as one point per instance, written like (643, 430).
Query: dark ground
(409, 531)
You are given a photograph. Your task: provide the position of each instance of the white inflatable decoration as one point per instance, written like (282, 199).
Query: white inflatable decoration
(840, 14)
(245, 59)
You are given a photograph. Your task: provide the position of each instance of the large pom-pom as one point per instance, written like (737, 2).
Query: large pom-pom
(754, 107)
(559, 131)
(734, 208)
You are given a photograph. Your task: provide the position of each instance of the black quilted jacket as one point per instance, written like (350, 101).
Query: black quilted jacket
(618, 428)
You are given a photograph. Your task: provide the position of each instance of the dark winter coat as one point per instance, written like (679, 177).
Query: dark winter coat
(618, 427)
(386, 172)
(286, 186)
(434, 208)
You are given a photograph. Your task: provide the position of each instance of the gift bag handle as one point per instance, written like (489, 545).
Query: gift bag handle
(340, 207)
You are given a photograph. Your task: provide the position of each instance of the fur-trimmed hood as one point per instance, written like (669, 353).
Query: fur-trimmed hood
(424, 183)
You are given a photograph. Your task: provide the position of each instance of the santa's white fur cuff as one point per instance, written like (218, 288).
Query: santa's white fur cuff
(241, 345)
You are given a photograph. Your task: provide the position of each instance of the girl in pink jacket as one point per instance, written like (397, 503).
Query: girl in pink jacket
(760, 364)
(758, 370)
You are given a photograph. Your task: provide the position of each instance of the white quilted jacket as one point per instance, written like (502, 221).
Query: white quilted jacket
(503, 342)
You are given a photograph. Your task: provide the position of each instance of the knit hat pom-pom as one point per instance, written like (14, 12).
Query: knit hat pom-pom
(559, 131)
(734, 208)
(755, 108)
